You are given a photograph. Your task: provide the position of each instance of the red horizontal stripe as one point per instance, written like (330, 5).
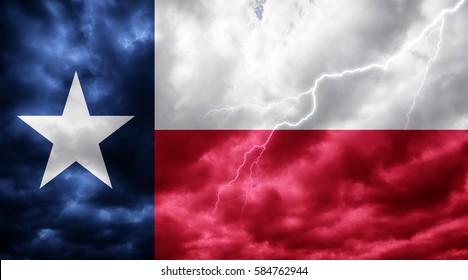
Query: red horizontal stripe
(314, 195)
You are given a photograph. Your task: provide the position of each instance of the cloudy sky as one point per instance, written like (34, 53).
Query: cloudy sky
(76, 216)
(240, 65)
(314, 195)
(351, 182)
(214, 55)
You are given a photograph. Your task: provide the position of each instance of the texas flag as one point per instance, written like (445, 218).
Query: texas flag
(253, 129)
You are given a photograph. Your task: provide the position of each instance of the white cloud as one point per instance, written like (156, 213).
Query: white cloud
(211, 54)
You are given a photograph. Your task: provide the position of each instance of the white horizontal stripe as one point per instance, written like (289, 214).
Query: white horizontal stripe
(328, 65)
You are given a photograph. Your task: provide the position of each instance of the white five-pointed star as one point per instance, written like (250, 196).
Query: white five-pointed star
(75, 136)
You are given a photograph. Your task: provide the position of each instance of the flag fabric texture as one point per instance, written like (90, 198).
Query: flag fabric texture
(234, 129)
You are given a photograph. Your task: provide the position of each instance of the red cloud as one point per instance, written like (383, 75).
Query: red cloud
(316, 195)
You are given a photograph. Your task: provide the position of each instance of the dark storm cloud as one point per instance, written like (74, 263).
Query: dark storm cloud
(317, 195)
(110, 45)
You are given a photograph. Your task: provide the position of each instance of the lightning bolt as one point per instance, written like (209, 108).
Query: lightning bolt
(426, 72)
(437, 24)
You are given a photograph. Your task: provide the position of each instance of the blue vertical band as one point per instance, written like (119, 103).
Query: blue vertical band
(110, 44)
